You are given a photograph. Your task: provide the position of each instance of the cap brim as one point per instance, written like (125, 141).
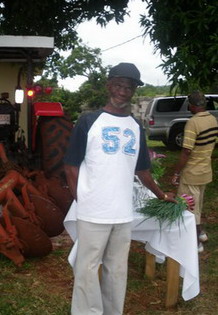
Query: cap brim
(139, 82)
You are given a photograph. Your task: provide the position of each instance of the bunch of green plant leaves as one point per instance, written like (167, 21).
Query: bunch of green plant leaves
(164, 211)
(157, 169)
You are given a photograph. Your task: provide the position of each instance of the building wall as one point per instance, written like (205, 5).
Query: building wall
(8, 82)
(139, 107)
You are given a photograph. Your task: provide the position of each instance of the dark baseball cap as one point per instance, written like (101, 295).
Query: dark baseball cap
(197, 98)
(126, 70)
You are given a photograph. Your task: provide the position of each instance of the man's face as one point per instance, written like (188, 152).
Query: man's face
(121, 91)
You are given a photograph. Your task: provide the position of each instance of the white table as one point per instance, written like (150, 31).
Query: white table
(177, 242)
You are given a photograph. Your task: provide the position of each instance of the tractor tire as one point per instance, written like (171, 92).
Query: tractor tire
(54, 134)
(35, 242)
(60, 194)
(50, 215)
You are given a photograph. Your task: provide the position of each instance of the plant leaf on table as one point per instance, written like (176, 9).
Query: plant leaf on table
(164, 211)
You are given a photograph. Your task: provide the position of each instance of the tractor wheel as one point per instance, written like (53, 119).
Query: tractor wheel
(51, 216)
(35, 242)
(54, 134)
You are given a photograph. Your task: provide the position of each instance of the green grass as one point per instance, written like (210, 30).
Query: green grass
(43, 286)
(40, 286)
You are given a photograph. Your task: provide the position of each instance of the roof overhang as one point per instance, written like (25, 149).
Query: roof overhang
(19, 48)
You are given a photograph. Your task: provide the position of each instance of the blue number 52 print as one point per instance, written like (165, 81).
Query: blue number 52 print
(111, 137)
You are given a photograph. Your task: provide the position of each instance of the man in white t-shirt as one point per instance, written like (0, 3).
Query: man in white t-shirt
(107, 148)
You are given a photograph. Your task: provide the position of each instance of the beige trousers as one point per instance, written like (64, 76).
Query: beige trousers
(107, 244)
(197, 191)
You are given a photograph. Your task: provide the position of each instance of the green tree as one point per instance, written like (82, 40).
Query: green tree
(57, 18)
(185, 33)
(87, 62)
(83, 61)
(69, 100)
(152, 91)
(92, 94)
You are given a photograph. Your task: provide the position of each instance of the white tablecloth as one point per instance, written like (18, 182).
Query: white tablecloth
(178, 242)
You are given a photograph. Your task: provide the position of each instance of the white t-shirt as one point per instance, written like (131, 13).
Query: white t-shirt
(108, 149)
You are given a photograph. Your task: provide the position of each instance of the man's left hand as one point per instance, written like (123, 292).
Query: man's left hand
(170, 196)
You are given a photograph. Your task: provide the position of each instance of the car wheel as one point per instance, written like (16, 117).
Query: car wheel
(176, 139)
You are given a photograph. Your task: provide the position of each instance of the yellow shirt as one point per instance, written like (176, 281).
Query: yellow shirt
(199, 136)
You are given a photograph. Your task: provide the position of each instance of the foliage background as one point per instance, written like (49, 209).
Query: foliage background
(185, 33)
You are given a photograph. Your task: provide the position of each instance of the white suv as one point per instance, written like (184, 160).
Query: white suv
(165, 118)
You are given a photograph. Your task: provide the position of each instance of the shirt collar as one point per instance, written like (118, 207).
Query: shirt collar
(205, 113)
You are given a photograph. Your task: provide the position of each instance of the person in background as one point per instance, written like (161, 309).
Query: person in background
(194, 170)
(107, 148)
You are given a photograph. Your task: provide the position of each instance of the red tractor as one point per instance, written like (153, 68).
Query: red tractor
(34, 196)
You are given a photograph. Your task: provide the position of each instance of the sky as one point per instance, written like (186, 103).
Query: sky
(139, 51)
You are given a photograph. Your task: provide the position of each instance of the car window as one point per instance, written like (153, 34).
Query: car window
(212, 103)
(215, 102)
(148, 107)
(169, 105)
